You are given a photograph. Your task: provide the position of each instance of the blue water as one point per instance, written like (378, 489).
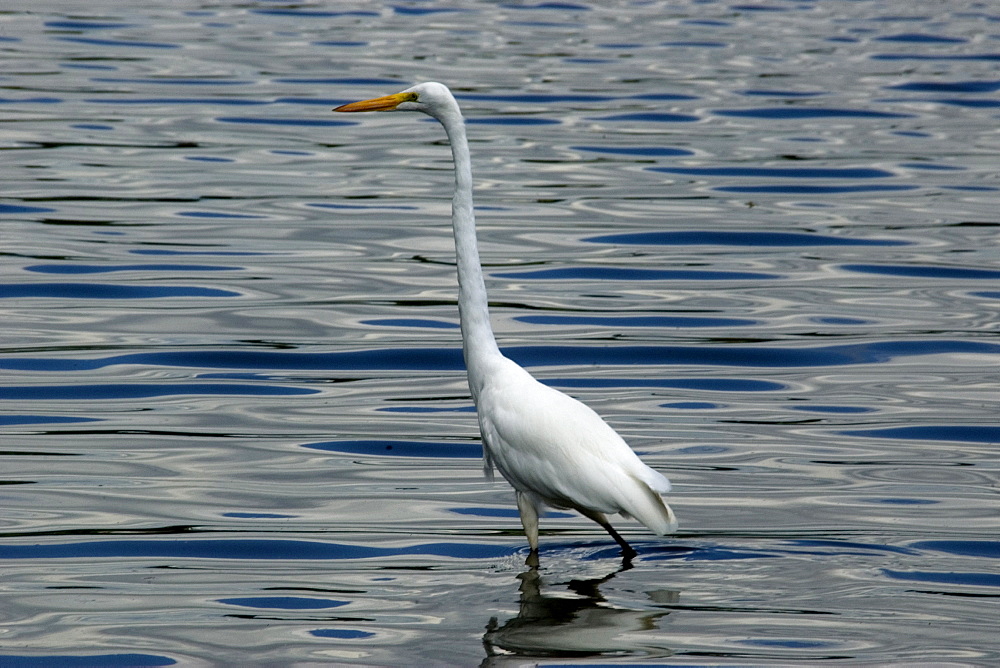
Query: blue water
(760, 239)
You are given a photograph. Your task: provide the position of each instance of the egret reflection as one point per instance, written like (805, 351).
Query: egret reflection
(574, 620)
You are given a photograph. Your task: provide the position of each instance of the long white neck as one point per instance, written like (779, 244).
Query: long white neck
(477, 335)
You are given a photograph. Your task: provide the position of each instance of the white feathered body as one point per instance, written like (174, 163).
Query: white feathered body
(560, 453)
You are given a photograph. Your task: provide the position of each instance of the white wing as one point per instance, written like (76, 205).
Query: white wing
(550, 445)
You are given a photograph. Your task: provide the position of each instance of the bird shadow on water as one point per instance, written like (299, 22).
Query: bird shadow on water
(574, 619)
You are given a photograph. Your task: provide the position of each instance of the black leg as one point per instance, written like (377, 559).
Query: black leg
(627, 552)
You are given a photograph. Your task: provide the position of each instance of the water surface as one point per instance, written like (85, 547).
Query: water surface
(760, 239)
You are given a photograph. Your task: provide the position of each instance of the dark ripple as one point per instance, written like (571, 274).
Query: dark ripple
(977, 86)
(88, 66)
(163, 251)
(20, 208)
(411, 322)
(988, 57)
(864, 353)
(178, 100)
(965, 102)
(712, 23)
(426, 409)
(438, 359)
(834, 409)
(620, 45)
(963, 433)
(175, 81)
(844, 547)
(78, 392)
(400, 358)
(424, 11)
(923, 271)
(643, 151)
(311, 101)
(921, 38)
(283, 602)
(31, 100)
(707, 384)
(933, 166)
(623, 274)
(649, 117)
(107, 291)
(341, 634)
(449, 450)
(780, 93)
(949, 577)
(780, 172)
(511, 120)
(965, 548)
(84, 660)
(708, 238)
(533, 98)
(13, 420)
(663, 97)
(758, 8)
(971, 103)
(340, 81)
(813, 190)
(214, 548)
(340, 43)
(833, 320)
(220, 214)
(902, 502)
(691, 405)
(696, 44)
(366, 207)
(103, 268)
(635, 321)
(505, 512)
(86, 25)
(787, 644)
(120, 42)
(563, 6)
(789, 113)
(703, 553)
(898, 18)
(312, 13)
(300, 122)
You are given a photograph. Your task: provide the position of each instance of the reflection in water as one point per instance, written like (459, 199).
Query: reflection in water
(578, 623)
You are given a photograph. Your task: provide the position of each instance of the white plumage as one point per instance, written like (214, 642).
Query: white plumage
(554, 450)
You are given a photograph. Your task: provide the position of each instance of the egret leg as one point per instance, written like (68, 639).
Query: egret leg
(529, 520)
(600, 518)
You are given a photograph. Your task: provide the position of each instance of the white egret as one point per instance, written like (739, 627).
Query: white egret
(552, 449)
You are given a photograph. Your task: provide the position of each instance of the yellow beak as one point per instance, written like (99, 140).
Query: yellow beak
(386, 103)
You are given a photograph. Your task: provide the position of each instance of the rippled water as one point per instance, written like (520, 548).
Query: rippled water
(760, 239)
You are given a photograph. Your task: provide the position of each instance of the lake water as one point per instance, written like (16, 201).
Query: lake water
(761, 239)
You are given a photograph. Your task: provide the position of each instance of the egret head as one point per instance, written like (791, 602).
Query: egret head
(431, 98)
